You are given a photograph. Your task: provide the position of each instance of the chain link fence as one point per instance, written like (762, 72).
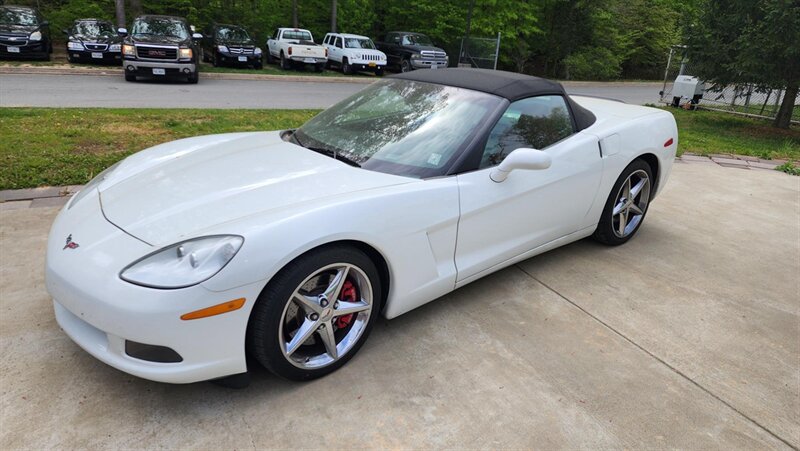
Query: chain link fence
(479, 52)
(748, 99)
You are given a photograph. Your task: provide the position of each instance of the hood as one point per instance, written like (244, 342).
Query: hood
(424, 47)
(18, 30)
(114, 39)
(146, 39)
(176, 190)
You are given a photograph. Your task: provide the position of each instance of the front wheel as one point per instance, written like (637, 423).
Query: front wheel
(626, 206)
(130, 77)
(193, 78)
(285, 64)
(405, 66)
(316, 313)
(347, 69)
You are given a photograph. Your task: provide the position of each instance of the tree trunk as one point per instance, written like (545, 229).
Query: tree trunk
(120, 6)
(333, 16)
(784, 117)
(135, 7)
(295, 22)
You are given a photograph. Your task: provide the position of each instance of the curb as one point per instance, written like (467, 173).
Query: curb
(117, 72)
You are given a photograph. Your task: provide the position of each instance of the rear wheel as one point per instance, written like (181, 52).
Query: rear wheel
(130, 77)
(270, 59)
(626, 206)
(316, 313)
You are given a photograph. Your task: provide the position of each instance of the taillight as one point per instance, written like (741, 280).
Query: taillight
(290, 51)
(326, 53)
(669, 142)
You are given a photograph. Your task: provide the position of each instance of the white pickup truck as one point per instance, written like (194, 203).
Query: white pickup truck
(295, 47)
(352, 53)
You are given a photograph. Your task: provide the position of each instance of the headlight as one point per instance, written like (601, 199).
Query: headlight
(183, 264)
(74, 46)
(115, 48)
(186, 53)
(222, 48)
(36, 36)
(416, 56)
(129, 50)
(92, 184)
(257, 51)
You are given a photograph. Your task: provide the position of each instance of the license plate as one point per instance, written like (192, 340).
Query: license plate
(243, 59)
(97, 55)
(310, 60)
(157, 71)
(372, 64)
(12, 49)
(434, 66)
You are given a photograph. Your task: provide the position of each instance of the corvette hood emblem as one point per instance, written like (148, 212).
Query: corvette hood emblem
(70, 244)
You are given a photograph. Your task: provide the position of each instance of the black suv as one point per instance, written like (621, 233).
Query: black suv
(94, 41)
(159, 47)
(230, 45)
(24, 33)
(408, 51)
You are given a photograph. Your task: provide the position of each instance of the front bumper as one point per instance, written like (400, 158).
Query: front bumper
(86, 56)
(428, 63)
(367, 65)
(232, 58)
(100, 311)
(29, 50)
(171, 68)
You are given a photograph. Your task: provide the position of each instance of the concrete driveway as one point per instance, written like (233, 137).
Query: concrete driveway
(686, 337)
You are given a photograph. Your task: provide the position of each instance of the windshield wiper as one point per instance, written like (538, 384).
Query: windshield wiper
(331, 153)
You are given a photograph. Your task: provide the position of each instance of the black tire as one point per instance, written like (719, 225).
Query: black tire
(193, 78)
(258, 66)
(263, 341)
(270, 59)
(405, 66)
(319, 67)
(379, 72)
(130, 77)
(347, 69)
(605, 232)
(285, 64)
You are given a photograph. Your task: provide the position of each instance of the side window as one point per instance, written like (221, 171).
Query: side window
(275, 36)
(338, 42)
(535, 122)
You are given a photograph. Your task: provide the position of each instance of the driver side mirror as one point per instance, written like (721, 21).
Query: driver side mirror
(122, 31)
(197, 36)
(521, 158)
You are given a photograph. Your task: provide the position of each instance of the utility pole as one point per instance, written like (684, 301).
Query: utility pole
(333, 16)
(465, 41)
(295, 23)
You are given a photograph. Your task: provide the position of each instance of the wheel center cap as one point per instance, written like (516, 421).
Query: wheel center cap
(327, 313)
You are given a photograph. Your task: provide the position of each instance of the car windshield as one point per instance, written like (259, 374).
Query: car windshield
(416, 39)
(358, 43)
(93, 29)
(400, 127)
(161, 27)
(297, 34)
(9, 16)
(232, 34)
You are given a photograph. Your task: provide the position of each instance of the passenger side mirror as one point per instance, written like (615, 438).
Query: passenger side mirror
(520, 159)
(197, 36)
(122, 31)
(44, 23)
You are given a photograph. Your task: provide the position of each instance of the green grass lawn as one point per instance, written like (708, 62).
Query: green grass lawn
(709, 132)
(68, 146)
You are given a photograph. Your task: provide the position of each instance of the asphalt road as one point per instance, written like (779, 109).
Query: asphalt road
(113, 91)
(685, 337)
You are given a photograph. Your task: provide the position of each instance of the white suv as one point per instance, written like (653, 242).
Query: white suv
(353, 53)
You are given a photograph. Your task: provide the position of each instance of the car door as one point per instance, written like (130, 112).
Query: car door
(500, 221)
(392, 42)
(337, 49)
(272, 44)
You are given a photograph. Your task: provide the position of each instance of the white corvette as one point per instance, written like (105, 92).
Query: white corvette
(180, 260)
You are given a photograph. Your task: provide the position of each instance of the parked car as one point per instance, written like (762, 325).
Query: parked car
(294, 47)
(408, 51)
(288, 245)
(24, 33)
(230, 45)
(94, 41)
(353, 53)
(159, 47)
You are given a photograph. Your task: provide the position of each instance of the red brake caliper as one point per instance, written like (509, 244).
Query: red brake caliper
(349, 295)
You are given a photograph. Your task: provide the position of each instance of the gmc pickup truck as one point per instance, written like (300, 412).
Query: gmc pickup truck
(161, 46)
(408, 51)
(296, 47)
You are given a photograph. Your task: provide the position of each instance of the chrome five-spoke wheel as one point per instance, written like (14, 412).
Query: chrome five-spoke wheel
(631, 204)
(325, 316)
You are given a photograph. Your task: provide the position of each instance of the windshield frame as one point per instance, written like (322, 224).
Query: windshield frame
(414, 38)
(455, 162)
(75, 31)
(233, 28)
(149, 20)
(364, 39)
(20, 12)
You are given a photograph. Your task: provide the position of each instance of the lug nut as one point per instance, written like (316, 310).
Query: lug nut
(314, 317)
(323, 302)
(336, 305)
(321, 327)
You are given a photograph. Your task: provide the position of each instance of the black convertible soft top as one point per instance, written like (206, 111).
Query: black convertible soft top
(509, 85)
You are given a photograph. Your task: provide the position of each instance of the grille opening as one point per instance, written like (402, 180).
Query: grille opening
(151, 353)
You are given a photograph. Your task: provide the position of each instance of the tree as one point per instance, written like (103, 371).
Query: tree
(750, 41)
(120, 8)
(333, 16)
